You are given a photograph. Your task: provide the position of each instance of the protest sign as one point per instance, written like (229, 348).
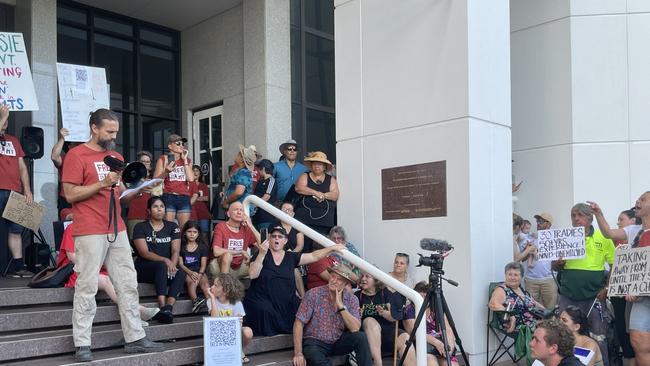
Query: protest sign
(82, 90)
(19, 211)
(16, 85)
(222, 341)
(630, 274)
(566, 243)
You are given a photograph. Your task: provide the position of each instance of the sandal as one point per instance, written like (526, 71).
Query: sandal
(245, 360)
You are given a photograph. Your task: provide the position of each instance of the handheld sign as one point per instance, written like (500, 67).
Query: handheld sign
(566, 243)
(16, 85)
(631, 273)
(222, 341)
(82, 90)
(26, 214)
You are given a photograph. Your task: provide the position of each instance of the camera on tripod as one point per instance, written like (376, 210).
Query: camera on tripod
(439, 248)
(132, 173)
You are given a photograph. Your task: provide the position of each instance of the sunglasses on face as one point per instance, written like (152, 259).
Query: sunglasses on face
(541, 221)
(402, 255)
(277, 236)
(291, 149)
(179, 143)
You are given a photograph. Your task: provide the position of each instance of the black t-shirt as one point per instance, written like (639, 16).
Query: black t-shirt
(368, 305)
(268, 186)
(158, 242)
(570, 361)
(192, 260)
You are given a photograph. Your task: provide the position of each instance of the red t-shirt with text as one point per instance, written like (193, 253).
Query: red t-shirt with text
(200, 209)
(176, 180)
(10, 152)
(83, 167)
(228, 239)
(138, 207)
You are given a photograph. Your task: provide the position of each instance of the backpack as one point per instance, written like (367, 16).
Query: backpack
(51, 277)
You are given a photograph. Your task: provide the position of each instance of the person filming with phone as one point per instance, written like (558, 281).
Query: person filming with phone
(176, 170)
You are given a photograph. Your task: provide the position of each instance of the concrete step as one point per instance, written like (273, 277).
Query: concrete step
(184, 352)
(24, 296)
(28, 345)
(37, 317)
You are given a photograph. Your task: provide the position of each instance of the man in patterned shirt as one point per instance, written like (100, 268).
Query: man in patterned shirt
(328, 323)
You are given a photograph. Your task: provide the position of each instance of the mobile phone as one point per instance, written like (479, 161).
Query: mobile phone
(170, 158)
(264, 234)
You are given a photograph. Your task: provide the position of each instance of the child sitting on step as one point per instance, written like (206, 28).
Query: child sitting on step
(225, 300)
(193, 261)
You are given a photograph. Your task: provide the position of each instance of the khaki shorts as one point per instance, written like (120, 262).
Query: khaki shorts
(214, 267)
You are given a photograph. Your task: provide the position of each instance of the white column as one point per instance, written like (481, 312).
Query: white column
(423, 81)
(36, 19)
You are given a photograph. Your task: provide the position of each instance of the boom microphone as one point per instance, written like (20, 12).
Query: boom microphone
(435, 245)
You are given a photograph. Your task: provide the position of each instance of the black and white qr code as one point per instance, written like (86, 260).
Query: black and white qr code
(81, 74)
(223, 334)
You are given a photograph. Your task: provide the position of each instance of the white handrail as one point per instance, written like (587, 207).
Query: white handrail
(409, 293)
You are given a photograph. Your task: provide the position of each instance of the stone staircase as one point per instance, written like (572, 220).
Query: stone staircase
(35, 329)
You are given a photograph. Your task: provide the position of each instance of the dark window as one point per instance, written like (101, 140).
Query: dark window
(142, 70)
(312, 76)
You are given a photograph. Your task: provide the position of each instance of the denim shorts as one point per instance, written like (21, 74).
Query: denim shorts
(640, 315)
(177, 203)
(12, 227)
(204, 225)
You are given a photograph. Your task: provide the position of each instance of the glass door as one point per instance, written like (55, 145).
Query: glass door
(208, 147)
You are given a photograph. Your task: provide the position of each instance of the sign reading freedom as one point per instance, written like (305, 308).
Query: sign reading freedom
(631, 273)
(566, 243)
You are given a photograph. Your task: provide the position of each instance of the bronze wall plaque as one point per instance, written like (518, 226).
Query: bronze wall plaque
(414, 191)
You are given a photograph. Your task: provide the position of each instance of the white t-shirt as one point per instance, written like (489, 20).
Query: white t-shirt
(631, 231)
(226, 310)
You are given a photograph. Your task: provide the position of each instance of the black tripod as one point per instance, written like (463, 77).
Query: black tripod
(435, 301)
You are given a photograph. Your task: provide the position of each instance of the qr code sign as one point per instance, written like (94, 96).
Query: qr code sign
(81, 74)
(223, 334)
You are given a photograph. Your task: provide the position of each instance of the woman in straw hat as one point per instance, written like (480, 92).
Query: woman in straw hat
(241, 181)
(320, 191)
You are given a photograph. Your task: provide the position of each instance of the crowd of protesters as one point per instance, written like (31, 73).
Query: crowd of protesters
(295, 285)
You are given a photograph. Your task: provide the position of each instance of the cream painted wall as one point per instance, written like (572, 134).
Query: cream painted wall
(422, 82)
(579, 104)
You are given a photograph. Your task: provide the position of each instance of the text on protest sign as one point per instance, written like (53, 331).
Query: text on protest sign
(566, 243)
(16, 86)
(26, 214)
(630, 274)
(222, 341)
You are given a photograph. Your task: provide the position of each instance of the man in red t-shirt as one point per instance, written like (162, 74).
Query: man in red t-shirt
(231, 241)
(87, 183)
(14, 177)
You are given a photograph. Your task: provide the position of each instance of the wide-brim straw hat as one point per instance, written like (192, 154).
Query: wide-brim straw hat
(248, 154)
(343, 271)
(317, 156)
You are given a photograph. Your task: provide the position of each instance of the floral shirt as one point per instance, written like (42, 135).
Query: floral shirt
(521, 306)
(319, 315)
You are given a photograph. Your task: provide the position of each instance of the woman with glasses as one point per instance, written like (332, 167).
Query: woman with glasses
(401, 270)
(271, 302)
(337, 235)
(176, 170)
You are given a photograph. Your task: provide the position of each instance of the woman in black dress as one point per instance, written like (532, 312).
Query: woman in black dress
(320, 191)
(271, 302)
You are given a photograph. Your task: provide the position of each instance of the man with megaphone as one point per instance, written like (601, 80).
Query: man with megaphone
(100, 235)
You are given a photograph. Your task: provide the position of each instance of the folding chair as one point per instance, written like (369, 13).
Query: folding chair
(506, 340)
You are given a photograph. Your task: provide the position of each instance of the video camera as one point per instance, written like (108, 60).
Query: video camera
(438, 247)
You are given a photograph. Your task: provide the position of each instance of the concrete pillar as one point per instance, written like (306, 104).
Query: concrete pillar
(36, 19)
(579, 104)
(267, 75)
(424, 81)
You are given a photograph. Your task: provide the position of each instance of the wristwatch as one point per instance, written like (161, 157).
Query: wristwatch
(344, 308)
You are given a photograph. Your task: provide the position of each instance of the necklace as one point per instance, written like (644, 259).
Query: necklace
(154, 230)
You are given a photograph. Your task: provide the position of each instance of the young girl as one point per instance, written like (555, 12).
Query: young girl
(225, 300)
(193, 261)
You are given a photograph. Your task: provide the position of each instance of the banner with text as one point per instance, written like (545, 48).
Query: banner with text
(631, 272)
(566, 243)
(16, 85)
(82, 90)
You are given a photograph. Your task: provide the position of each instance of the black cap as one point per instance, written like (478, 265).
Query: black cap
(278, 228)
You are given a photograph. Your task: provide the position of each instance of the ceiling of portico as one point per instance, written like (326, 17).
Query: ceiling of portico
(176, 14)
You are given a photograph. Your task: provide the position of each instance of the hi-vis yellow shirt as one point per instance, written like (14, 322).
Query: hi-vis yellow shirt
(599, 250)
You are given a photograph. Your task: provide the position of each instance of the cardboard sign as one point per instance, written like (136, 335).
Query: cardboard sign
(16, 85)
(82, 90)
(26, 214)
(222, 341)
(566, 243)
(631, 272)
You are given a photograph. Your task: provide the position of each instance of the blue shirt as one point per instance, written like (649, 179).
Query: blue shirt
(242, 177)
(286, 177)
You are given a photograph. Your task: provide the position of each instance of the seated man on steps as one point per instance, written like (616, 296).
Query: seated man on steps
(328, 323)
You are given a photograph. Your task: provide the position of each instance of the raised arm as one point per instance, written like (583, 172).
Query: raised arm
(608, 232)
(307, 258)
(56, 149)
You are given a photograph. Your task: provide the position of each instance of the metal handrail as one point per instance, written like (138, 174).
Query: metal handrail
(409, 293)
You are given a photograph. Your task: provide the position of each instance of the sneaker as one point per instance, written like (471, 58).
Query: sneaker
(83, 354)
(148, 313)
(144, 345)
(197, 305)
(22, 273)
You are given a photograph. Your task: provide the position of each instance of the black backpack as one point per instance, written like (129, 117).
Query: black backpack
(51, 277)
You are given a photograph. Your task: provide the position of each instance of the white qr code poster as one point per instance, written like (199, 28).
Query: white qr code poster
(222, 341)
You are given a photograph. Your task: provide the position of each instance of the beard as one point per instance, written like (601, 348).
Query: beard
(108, 145)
